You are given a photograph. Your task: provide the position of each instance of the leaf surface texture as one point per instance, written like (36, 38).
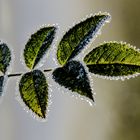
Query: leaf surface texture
(74, 77)
(34, 92)
(113, 59)
(5, 57)
(78, 36)
(37, 46)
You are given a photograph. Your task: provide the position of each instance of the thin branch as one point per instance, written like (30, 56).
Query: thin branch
(19, 74)
(13, 75)
(48, 70)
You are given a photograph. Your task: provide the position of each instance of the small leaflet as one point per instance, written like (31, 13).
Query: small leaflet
(113, 59)
(74, 77)
(37, 46)
(79, 36)
(5, 57)
(34, 92)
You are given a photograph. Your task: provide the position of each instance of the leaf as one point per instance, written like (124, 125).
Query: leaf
(113, 59)
(78, 36)
(34, 92)
(5, 57)
(1, 84)
(74, 77)
(37, 46)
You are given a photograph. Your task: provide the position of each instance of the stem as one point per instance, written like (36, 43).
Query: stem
(48, 70)
(13, 75)
(19, 74)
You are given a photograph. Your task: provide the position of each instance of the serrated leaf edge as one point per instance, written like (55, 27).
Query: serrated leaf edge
(22, 60)
(117, 42)
(26, 108)
(75, 94)
(117, 77)
(94, 35)
(9, 68)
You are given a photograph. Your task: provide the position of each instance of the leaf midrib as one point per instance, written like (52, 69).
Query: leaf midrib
(113, 64)
(36, 94)
(39, 50)
(74, 49)
(102, 20)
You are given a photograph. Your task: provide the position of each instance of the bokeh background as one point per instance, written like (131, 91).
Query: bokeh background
(116, 114)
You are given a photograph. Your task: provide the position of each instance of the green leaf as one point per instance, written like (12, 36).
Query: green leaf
(78, 36)
(113, 59)
(1, 84)
(34, 92)
(5, 57)
(37, 46)
(74, 77)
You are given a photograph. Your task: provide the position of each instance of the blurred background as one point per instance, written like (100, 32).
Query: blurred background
(116, 114)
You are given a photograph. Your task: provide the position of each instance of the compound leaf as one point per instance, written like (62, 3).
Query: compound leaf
(37, 46)
(113, 59)
(34, 92)
(5, 57)
(74, 77)
(78, 36)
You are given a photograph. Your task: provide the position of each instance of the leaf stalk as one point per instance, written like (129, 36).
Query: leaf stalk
(19, 74)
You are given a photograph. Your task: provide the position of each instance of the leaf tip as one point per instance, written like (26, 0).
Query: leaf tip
(92, 98)
(38, 45)
(42, 114)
